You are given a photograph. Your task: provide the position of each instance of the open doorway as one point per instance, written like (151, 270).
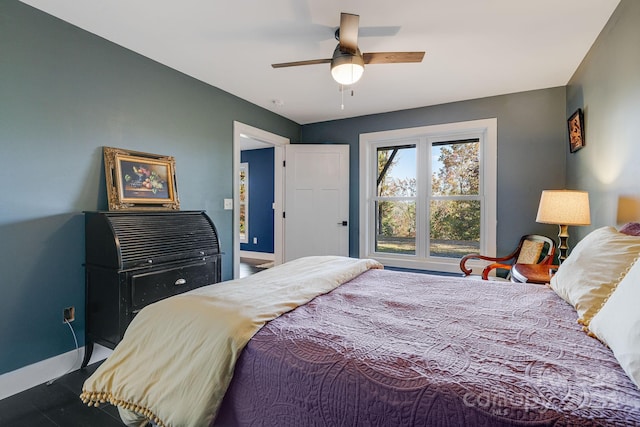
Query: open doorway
(256, 211)
(248, 138)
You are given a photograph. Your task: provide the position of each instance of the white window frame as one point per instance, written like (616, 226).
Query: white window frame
(486, 132)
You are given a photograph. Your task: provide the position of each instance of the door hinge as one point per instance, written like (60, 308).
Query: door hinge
(284, 163)
(284, 214)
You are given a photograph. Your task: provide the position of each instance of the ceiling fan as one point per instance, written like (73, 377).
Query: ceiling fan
(347, 62)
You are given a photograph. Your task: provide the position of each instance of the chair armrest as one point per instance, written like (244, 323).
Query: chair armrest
(488, 268)
(496, 263)
(467, 271)
(548, 260)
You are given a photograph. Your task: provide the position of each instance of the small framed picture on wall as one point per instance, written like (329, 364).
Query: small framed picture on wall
(576, 131)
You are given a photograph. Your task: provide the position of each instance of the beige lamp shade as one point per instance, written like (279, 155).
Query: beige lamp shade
(564, 207)
(628, 209)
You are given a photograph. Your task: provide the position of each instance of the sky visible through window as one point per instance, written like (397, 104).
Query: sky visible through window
(405, 163)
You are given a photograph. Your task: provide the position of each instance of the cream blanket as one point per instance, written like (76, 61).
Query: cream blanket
(177, 357)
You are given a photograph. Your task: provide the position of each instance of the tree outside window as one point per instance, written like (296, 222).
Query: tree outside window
(453, 206)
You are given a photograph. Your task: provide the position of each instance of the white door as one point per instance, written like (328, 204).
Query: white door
(316, 200)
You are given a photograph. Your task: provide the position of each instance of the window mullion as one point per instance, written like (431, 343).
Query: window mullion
(373, 196)
(422, 205)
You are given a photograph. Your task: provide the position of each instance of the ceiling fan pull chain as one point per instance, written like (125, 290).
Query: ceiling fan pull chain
(342, 96)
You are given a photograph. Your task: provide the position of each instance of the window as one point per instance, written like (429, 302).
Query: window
(395, 201)
(428, 195)
(454, 202)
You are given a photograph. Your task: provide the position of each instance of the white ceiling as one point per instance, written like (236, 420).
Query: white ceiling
(474, 48)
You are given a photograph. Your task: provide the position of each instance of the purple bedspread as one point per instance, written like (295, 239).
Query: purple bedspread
(405, 349)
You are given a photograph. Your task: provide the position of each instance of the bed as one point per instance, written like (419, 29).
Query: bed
(373, 347)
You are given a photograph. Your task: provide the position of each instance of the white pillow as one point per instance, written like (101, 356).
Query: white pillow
(617, 324)
(596, 264)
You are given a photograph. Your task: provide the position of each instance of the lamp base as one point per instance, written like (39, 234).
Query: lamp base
(563, 239)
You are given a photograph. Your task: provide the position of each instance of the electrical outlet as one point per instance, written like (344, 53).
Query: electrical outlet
(68, 314)
(255, 240)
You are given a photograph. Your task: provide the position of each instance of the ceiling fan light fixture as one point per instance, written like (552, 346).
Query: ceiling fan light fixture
(346, 68)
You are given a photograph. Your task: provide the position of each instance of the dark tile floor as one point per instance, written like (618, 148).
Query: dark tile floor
(57, 404)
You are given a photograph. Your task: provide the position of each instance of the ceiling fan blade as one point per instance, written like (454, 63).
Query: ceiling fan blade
(349, 32)
(296, 63)
(392, 57)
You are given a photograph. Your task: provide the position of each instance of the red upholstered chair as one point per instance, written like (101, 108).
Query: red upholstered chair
(532, 249)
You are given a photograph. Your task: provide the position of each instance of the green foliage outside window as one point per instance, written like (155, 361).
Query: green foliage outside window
(454, 221)
(458, 176)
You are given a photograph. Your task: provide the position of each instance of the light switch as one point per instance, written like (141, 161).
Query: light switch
(228, 204)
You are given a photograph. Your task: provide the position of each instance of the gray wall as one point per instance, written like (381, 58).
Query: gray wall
(607, 87)
(531, 152)
(64, 94)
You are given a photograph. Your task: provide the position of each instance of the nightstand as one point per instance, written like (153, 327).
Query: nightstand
(532, 273)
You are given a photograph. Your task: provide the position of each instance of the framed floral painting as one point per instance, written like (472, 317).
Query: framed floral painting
(142, 181)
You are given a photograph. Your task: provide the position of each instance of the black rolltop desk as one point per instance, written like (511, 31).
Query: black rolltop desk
(136, 258)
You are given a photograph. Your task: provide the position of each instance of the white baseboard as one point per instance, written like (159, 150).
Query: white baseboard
(23, 379)
(258, 255)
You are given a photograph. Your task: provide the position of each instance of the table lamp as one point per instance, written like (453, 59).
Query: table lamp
(565, 208)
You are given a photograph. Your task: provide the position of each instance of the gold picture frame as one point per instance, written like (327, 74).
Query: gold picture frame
(141, 181)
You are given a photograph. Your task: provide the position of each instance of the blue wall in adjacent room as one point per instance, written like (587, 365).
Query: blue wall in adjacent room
(261, 197)
(64, 94)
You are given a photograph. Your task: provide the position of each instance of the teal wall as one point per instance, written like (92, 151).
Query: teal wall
(607, 87)
(64, 94)
(531, 152)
